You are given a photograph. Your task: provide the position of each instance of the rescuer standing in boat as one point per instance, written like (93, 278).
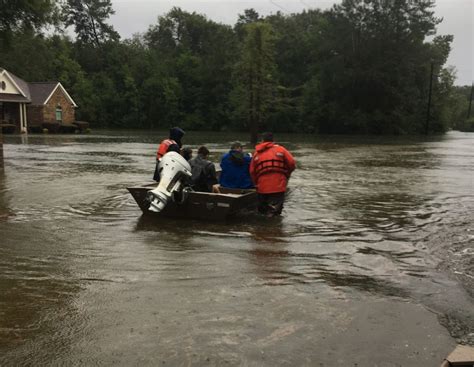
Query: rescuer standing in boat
(270, 170)
(172, 144)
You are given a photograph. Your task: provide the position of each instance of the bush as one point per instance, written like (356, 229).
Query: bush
(468, 125)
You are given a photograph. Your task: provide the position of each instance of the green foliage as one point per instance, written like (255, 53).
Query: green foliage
(249, 16)
(22, 15)
(193, 57)
(468, 125)
(255, 77)
(362, 66)
(459, 109)
(375, 67)
(89, 20)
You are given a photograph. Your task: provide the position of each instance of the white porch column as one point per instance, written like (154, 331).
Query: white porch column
(21, 116)
(25, 117)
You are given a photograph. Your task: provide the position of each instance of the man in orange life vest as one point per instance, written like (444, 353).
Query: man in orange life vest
(270, 170)
(172, 144)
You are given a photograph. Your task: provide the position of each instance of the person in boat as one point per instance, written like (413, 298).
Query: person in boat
(172, 144)
(187, 153)
(235, 168)
(270, 169)
(203, 171)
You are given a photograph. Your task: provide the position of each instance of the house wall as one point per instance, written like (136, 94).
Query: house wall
(9, 86)
(35, 115)
(59, 99)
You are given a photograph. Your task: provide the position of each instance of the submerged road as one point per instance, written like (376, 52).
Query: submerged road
(371, 264)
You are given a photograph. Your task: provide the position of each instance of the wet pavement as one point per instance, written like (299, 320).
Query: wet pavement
(371, 264)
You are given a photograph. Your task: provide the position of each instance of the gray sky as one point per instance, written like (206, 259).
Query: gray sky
(135, 16)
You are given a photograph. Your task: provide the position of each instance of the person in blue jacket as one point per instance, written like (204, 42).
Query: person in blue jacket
(235, 168)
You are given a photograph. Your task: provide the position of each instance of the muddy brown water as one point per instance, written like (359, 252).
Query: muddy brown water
(371, 263)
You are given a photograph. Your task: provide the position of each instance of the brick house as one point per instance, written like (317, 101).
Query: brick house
(50, 104)
(34, 106)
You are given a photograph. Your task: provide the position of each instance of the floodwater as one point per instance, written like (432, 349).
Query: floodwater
(371, 263)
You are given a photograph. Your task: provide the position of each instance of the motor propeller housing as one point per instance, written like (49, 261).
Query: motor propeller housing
(173, 169)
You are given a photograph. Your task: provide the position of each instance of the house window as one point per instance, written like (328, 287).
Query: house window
(3, 85)
(59, 113)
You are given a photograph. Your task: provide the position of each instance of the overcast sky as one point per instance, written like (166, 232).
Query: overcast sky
(132, 16)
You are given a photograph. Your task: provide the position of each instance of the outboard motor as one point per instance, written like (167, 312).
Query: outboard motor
(173, 168)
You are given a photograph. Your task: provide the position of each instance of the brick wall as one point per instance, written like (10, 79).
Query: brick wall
(59, 99)
(35, 115)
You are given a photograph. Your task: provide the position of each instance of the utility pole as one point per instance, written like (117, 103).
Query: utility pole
(428, 113)
(470, 102)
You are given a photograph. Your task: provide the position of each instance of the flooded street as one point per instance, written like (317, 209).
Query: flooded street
(371, 263)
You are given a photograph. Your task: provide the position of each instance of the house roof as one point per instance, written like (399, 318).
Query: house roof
(36, 93)
(42, 92)
(22, 85)
(6, 97)
(19, 83)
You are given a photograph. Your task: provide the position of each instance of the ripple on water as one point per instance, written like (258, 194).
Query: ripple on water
(376, 218)
(108, 209)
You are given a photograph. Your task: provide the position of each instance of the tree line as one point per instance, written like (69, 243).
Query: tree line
(361, 67)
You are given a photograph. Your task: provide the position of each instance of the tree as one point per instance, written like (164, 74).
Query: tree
(375, 64)
(297, 41)
(24, 15)
(255, 72)
(458, 109)
(361, 67)
(249, 16)
(195, 57)
(89, 20)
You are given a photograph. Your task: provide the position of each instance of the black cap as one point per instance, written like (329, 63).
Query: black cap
(176, 133)
(267, 136)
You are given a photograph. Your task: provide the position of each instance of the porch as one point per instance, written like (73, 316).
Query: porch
(13, 117)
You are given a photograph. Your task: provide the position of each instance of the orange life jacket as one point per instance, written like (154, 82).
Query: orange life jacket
(271, 160)
(271, 167)
(163, 148)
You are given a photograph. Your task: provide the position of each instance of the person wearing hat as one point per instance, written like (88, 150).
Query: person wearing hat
(270, 170)
(235, 168)
(172, 144)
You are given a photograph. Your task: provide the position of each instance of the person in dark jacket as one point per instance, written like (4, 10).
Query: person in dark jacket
(172, 144)
(235, 168)
(203, 171)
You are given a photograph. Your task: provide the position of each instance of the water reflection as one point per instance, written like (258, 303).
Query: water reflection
(1, 153)
(38, 292)
(174, 234)
(5, 211)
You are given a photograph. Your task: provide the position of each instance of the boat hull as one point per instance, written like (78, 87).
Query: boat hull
(200, 205)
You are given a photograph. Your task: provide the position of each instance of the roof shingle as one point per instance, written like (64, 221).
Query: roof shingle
(21, 84)
(40, 91)
(7, 97)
